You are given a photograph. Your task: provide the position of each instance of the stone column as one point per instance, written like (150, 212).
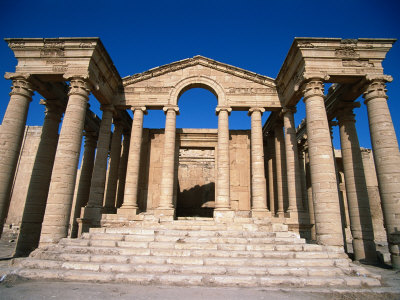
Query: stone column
(387, 160)
(63, 177)
(93, 209)
(85, 177)
(11, 136)
(258, 183)
(310, 197)
(280, 168)
(222, 201)
(109, 202)
(122, 169)
(165, 206)
(302, 172)
(130, 205)
(271, 177)
(35, 205)
(356, 188)
(292, 162)
(375, 204)
(323, 175)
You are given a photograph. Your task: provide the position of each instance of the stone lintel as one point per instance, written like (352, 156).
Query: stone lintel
(331, 59)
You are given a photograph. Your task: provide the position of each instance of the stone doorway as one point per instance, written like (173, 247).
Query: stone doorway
(196, 182)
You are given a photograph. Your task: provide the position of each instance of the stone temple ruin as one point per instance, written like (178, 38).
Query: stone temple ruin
(273, 205)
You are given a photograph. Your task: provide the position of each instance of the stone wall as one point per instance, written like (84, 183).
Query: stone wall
(199, 169)
(21, 181)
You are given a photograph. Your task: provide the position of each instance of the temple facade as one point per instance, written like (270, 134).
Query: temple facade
(274, 173)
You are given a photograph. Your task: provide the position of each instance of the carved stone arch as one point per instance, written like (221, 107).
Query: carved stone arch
(197, 82)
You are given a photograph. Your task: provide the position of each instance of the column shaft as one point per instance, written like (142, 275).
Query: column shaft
(292, 162)
(222, 202)
(387, 162)
(11, 136)
(356, 189)
(85, 177)
(93, 209)
(132, 173)
(168, 166)
(109, 202)
(322, 167)
(271, 177)
(280, 167)
(258, 184)
(310, 198)
(122, 170)
(63, 178)
(35, 204)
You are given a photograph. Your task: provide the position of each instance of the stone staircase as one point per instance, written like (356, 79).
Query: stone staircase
(245, 253)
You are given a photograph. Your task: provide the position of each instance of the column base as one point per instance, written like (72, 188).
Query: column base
(395, 261)
(164, 214)
(129, 213)
(223, 215)
(260, 213)
(90, 217)
(109, 210)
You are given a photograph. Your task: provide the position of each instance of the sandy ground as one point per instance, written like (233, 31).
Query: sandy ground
(14, 287)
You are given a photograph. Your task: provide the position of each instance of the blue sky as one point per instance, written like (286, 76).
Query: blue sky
(250, 34)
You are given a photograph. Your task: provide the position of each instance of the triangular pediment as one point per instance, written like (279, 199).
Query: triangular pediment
(203, 61)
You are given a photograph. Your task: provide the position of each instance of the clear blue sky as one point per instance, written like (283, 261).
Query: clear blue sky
(250, 34)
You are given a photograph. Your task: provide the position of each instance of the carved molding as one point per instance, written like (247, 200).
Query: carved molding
(79, 86)
(203, 61)
(313, 88)
(223, 108)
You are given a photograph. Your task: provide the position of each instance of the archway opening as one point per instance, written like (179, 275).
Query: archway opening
(196, 159)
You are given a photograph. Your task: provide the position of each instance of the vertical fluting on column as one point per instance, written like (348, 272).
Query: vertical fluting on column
(132, 172)
(35, 204)
(292, 162)
(310, 197)
(11, 136)
(258, 183)
(222, 201)
(322, 167)
(387, 160)
(356, 188)
(63, 177)
(280, 167)
(85, 177)
(122, 169)
(111, 187)
(93, 209)
(271, 176)
(168, 166)
(302, 172)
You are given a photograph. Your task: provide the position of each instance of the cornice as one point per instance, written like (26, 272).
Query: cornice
(203, 61)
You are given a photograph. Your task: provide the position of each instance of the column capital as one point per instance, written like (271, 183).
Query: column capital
(142, 108)
(376, 87)
(313, 87)
(21, 84)
(289, 109)
(223, 108)
(54, 108)
(253, 109)
(175, 108)
(79, 86)
(345, 112)
(108, 107)
(90, 138)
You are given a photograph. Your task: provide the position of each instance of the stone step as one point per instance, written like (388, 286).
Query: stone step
(179, 257)
(187, 233)
(121, 252)
(185, 269)
(199, 280)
